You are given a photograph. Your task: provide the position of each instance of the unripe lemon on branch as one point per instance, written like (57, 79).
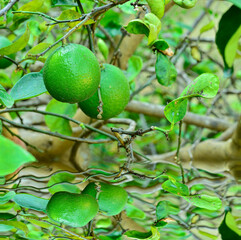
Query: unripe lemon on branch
(114, 91)
(71, 73)
(111, 199)
(72, 209)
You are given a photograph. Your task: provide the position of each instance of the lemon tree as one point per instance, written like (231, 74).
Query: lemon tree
(114, 91)
(120, 119)
(71, 73)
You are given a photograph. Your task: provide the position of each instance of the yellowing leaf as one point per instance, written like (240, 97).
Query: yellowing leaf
(18, 45)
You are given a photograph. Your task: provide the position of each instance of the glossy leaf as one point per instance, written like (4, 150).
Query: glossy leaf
(18, 45)
(205, 201)
(66, 187)
(137, 26)
(134, 67)
(231, 223)
(5, 98)
(6, 197)
(17, 156)
(228, 26)
(160, 44)
(206, 85)
(226, 232)
(166, 72)
(29, 86)
(30, 201)
(58, 124)
(175, 188)
(175, 111)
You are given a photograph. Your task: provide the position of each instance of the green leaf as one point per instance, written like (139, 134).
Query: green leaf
(66, 187)
(103, 223)
(152, 19)
(69, 3)
(205, 201)
(103, 48)
(6, 197)
(228, 26)
(134, 67)
(226, 232)
(231, 47)
(236, 2)
(134, 212)
(39, 48)
(175, 188)
(231, 223)
(5, 98)
(164, 208)
(18, 45)
(206, 86)
(206, 234)
(30, 201)
(6, 207)
(58, 124)
(207, 27)
(166, 72)
(6, 216)
(160, 44)
(17, 156)
(151, 235)
(5, 80)
(137, 26)
(29, 86)
(175, 111)
(16, 224)
(38, 222)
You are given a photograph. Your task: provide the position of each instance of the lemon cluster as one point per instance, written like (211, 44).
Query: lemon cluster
(76, 210)
(72, 74)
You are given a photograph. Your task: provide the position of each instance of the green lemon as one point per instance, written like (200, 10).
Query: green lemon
(4, 63)
(71, 73)
(115, 94)
(72, 209)
(111, 199)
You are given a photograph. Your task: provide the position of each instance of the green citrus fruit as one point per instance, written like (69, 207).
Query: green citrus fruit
(111, 199)
(71, 73)
(115, 94)
(72, 209)
(4, 63)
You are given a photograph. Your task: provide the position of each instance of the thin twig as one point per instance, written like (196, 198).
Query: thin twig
(7, 7)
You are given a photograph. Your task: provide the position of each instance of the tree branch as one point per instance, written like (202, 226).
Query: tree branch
(7, 7)
(190, 118)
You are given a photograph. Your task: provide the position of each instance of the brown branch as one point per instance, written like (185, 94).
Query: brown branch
(7, 7)
(190, 118)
